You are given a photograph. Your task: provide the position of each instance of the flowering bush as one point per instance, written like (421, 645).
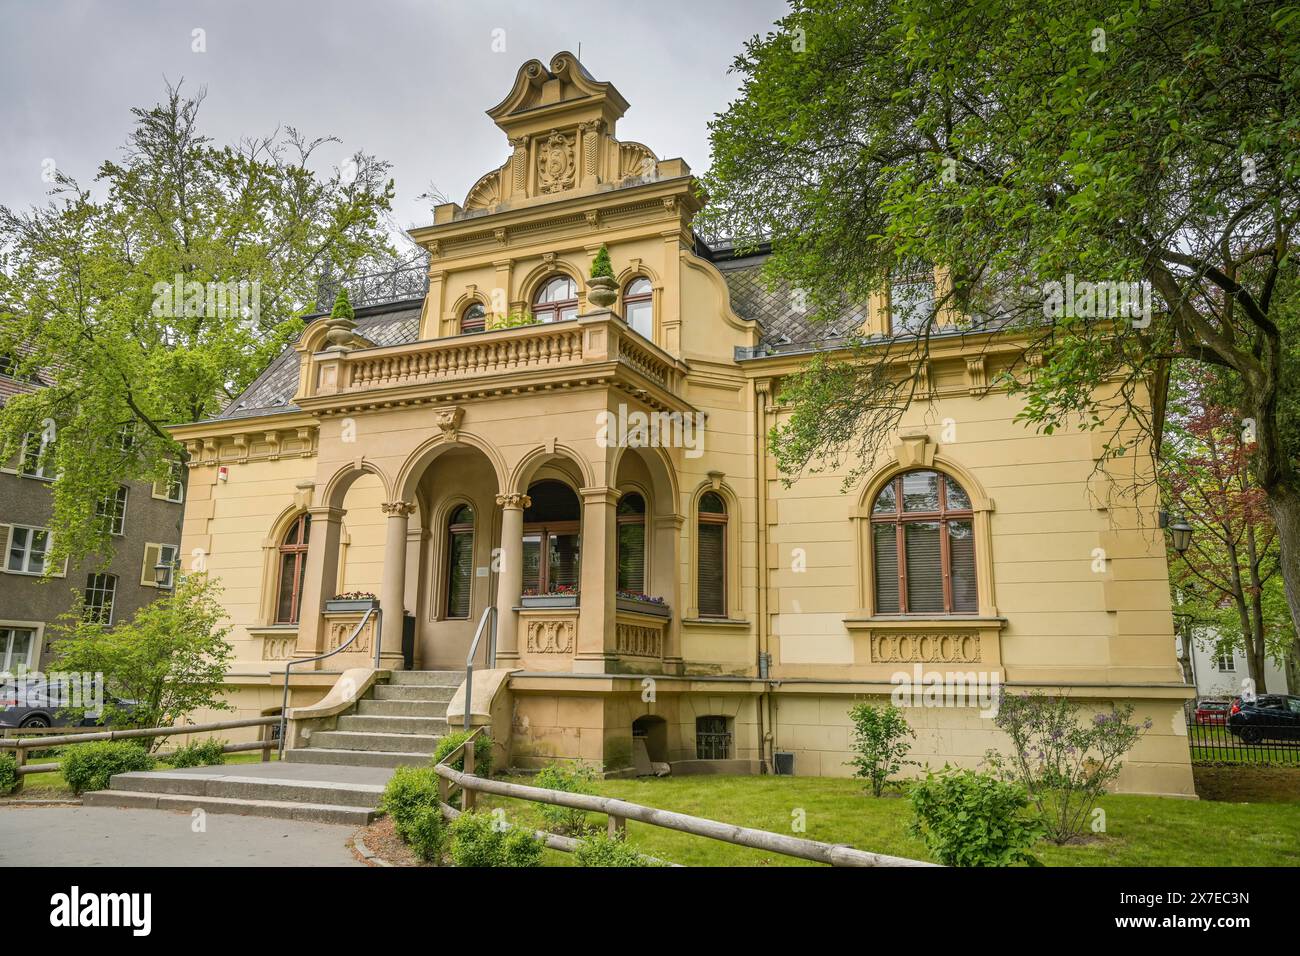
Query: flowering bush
(1062, 758)
(556, 590)
(638, 596)
(355, 596)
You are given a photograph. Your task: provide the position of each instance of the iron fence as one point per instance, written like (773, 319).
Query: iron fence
(1263, 741)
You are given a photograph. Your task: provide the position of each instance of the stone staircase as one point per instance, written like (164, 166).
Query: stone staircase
(338, 777)
(398, 723)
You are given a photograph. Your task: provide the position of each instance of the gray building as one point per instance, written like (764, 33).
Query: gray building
(145, 526)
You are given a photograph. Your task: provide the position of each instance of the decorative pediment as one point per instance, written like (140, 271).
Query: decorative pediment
(566, 80)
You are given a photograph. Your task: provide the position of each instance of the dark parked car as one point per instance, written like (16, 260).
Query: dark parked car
(1267, 717)
(33, 706)
(1214, 712)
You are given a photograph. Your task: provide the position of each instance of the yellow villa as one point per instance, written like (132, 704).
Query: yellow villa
(575, 473)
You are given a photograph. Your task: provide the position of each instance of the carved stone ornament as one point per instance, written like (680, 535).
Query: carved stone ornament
(448, 421)
(397, 508)
(556, 167)
(514, 501)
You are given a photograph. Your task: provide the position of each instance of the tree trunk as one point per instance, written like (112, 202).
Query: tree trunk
(1284, 506)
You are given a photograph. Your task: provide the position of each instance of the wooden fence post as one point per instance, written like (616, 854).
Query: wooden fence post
(616, 827)
(20, 755)
(468, 801)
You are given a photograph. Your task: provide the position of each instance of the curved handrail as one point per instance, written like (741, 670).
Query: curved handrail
(284, 706)
(489, 612)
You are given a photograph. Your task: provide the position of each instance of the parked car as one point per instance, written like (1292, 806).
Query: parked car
(1213, 712)
(1267, 717)
(33, 707)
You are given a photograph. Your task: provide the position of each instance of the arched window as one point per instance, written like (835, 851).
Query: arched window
(712, 556)
(631, 543)
(474, 318)
(923, 546)
(460, 560)
(556, 300)
(551, 539)
(293, 566)
(638, 306)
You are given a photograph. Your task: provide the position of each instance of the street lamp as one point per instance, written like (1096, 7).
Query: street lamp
(1180, 534)
(162, 573)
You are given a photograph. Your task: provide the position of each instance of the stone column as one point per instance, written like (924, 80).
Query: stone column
(596, 581)
(667, 577)
(510, 576)
(319, 579)
(392, 590)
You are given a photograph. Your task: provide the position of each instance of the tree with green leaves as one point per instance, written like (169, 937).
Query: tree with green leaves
(154, 296)
(170, 659)
(1033, 150)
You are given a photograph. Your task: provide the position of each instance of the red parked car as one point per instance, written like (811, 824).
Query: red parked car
(1212, 712)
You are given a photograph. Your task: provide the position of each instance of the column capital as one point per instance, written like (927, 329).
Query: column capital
(397, 509)
(514, 500)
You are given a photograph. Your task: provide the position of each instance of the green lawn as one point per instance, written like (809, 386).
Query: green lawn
(52, 785)
(1141, 831)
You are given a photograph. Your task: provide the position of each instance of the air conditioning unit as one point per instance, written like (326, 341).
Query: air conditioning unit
(783, 763)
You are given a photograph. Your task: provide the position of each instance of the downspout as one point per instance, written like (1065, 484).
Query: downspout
(766, 739)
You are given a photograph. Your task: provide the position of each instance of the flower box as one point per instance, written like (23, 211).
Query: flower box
(549, 600)
(642, 606)
(351, 605)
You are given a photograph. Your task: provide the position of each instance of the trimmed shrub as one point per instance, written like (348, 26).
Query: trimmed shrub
(8, 774)
(600, 849)
(973, 819)
(203, 753)
(880, 736)
(570, 778)
(409, 790)
(482, 752)
(480, 839)
(426, 833)
(342, 306)
(601, 267)
(88, 766)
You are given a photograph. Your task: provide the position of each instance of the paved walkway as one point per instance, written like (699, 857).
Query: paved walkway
(109, 836)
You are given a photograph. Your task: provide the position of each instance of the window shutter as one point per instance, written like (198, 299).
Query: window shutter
(150, 559)
(712, 595)
(460, 573)
(886, 568)
(924, 567)
(961, 554)
(631, 556)
(160, 489)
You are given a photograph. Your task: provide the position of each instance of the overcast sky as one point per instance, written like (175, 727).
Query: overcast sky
(405, 80)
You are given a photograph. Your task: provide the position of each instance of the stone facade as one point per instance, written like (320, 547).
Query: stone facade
(384, 431)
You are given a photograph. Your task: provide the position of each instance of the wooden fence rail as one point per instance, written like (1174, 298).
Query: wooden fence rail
(618, 812)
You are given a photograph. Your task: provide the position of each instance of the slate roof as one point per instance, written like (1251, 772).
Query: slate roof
(392, 323)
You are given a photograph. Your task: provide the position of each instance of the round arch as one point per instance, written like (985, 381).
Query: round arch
(547, 270)
(337, 487)
(533, 460)
(666, 490)
(412, 470)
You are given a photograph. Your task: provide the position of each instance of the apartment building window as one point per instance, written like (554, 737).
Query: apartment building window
(1226, 662)
(460, 561)
(17, 647)
(111, 511)
(552, 539)
(37, 457)
(631, 542)
(171, 488)
(923, 546)
(9, 368)
(293, 569)
(155, 554)
(556, 300)
(27, 549)
(911, 301)
(638, 306)
(101, 592)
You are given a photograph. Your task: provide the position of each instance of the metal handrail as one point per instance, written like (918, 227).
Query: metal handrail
(489, 613)
(284, 706)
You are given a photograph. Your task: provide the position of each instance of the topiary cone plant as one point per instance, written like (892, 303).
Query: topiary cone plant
(602, 289)
(341, 323)
(342, 307)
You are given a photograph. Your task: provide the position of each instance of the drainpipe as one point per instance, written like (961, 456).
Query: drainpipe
(766, 739)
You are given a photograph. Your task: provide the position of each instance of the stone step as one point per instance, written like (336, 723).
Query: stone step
(379, 724)
(318, 813)
(356, 758)
(451, 679)
(387, 742)
(318, 792)
(402, 708)
(412, 692)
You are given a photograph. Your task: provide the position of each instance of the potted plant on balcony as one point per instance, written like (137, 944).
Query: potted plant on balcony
(640, 603)
(353, 601)
(560, 595)
(602, 287)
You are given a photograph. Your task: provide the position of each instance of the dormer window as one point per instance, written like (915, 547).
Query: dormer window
(474, 318)
(638, 306)
(556, 300)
